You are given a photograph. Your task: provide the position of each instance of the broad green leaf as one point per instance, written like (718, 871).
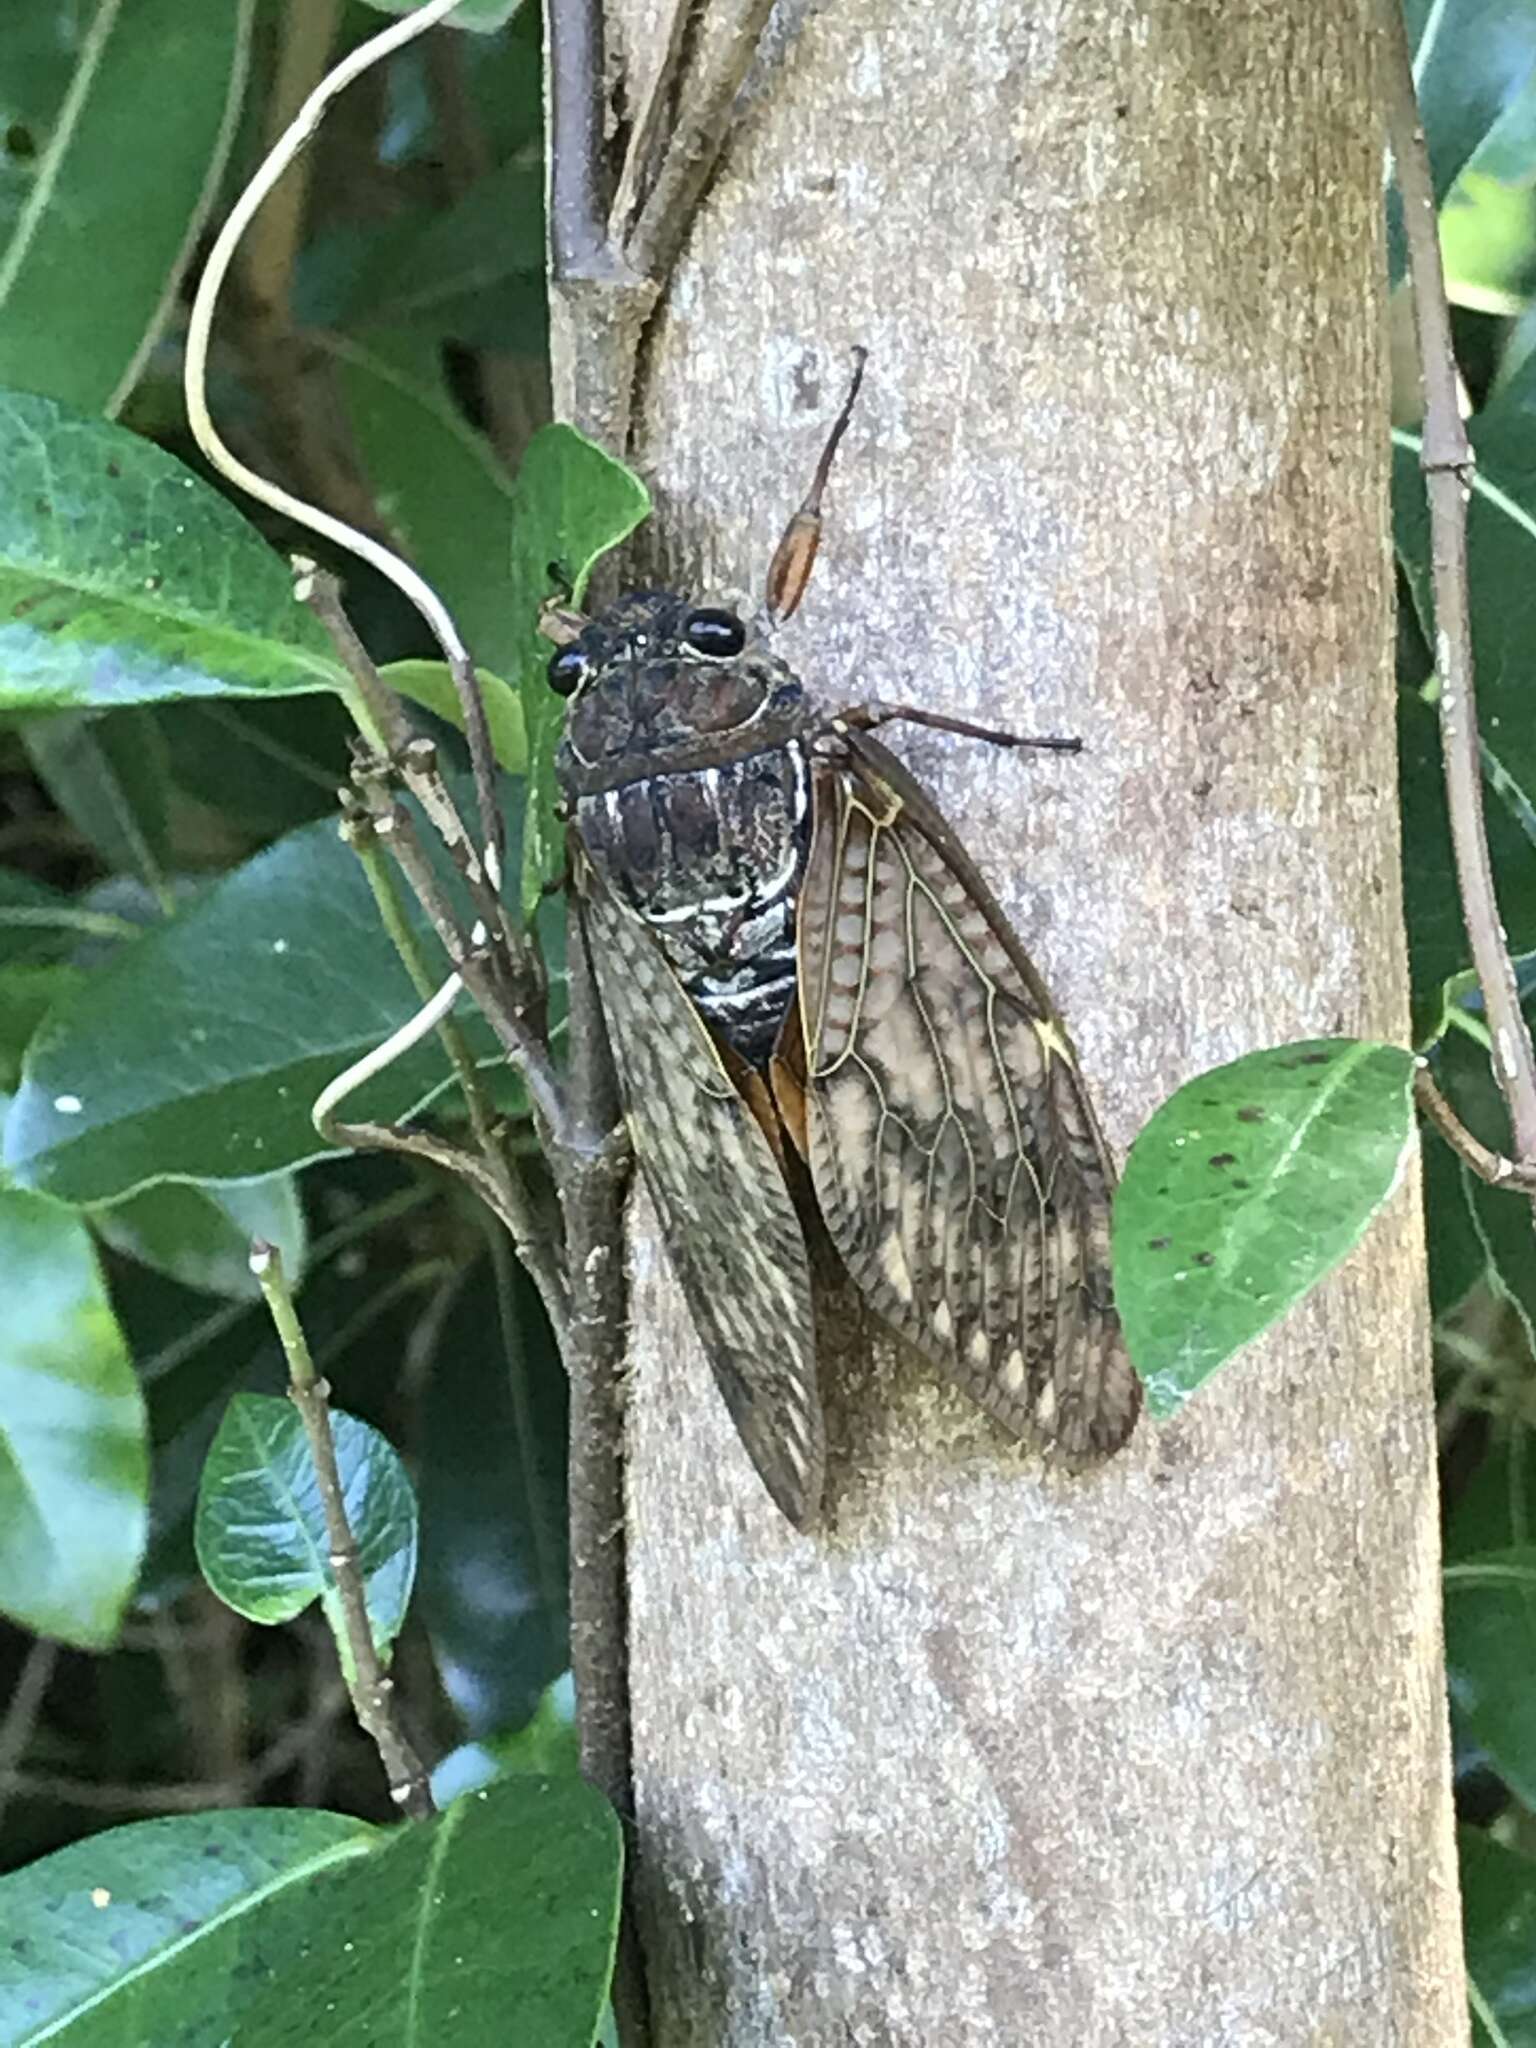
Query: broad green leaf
(492, 1479)
(109, 777)
(492, 1923)
(1243, 1191)
(437, 484)
(1498, 1917)
(488, 246)
(1490, 1646)
(124, 578)
(120, 186)
(1488, 244)
(255, 768)
(482, 15)
(1507, 153)
(28, 991)
(547, 1746)
(428, 683)
(34, 919)
(200, 1234)
(573, 503)
(1496, 1509)
(197, 1051)
(73, 1462)
(1458, 1257)
(261, 1534)
(1472, 59)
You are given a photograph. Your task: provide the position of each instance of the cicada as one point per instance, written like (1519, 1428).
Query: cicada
(812, 997)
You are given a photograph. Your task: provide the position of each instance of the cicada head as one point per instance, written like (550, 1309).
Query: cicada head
(659, 684)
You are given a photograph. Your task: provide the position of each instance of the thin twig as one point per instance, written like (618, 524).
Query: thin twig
(1446, 458)
(368, 1683)
(574, 66)
(594, 1356)
(522, 1043)
(1487, 1164)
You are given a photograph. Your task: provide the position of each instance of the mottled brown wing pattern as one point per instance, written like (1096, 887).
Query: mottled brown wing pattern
(954, 1152)
(732, 1236)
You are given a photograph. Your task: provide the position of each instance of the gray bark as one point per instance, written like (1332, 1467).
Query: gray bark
(1155, 1756)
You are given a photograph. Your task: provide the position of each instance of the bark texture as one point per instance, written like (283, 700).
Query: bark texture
(1156, 1756)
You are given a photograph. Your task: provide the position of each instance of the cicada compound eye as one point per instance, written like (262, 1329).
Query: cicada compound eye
(719, 634)
(567, 668)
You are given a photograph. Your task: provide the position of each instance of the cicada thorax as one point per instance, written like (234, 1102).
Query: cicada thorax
(685, 765)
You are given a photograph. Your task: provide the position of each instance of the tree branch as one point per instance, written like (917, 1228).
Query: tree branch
(368, 1683)
(1447, 462)
(1488, 1165)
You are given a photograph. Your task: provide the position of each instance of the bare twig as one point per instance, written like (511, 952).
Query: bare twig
(514, 1030)
(594, 1353)
(1487, 1164)
(368, 1682)
(1447, 462)
(573, 44)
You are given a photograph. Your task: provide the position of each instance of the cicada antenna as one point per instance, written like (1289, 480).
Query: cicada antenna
(795, 556)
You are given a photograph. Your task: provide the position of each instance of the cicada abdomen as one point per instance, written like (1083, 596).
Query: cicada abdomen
(793, 951)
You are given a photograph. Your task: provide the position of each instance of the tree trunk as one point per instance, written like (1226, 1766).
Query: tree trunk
(1157, 1755)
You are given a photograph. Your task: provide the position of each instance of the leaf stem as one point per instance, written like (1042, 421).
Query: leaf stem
(368, 1683)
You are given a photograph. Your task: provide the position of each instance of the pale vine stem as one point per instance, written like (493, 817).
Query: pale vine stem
(368, 1683)
(1447, 462)
(413, 586)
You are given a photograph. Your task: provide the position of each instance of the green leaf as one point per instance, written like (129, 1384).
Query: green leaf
(256, 767)
(437, 483)
(429, 683)
(492, 1478)
(124, 579)
(573, 503)
(74, 1468)
(482, 15)
(1243, 1190)
(493, 1923)
(1498, 1917)
(200, 1234)
(197, 1051)
(1472, 58)
(27, 993)
(33, 919)
(120, 186)
(487, 247)
(547, 1746)
(1490, 1643)
(261, 1535)
(1496, 1510)
(109, 777)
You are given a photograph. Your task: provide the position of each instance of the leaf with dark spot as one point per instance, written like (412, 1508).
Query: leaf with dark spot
(1322, 1156)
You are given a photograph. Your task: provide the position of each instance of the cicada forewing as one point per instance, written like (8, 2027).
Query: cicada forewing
(729, 1223)
(953, 1149)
